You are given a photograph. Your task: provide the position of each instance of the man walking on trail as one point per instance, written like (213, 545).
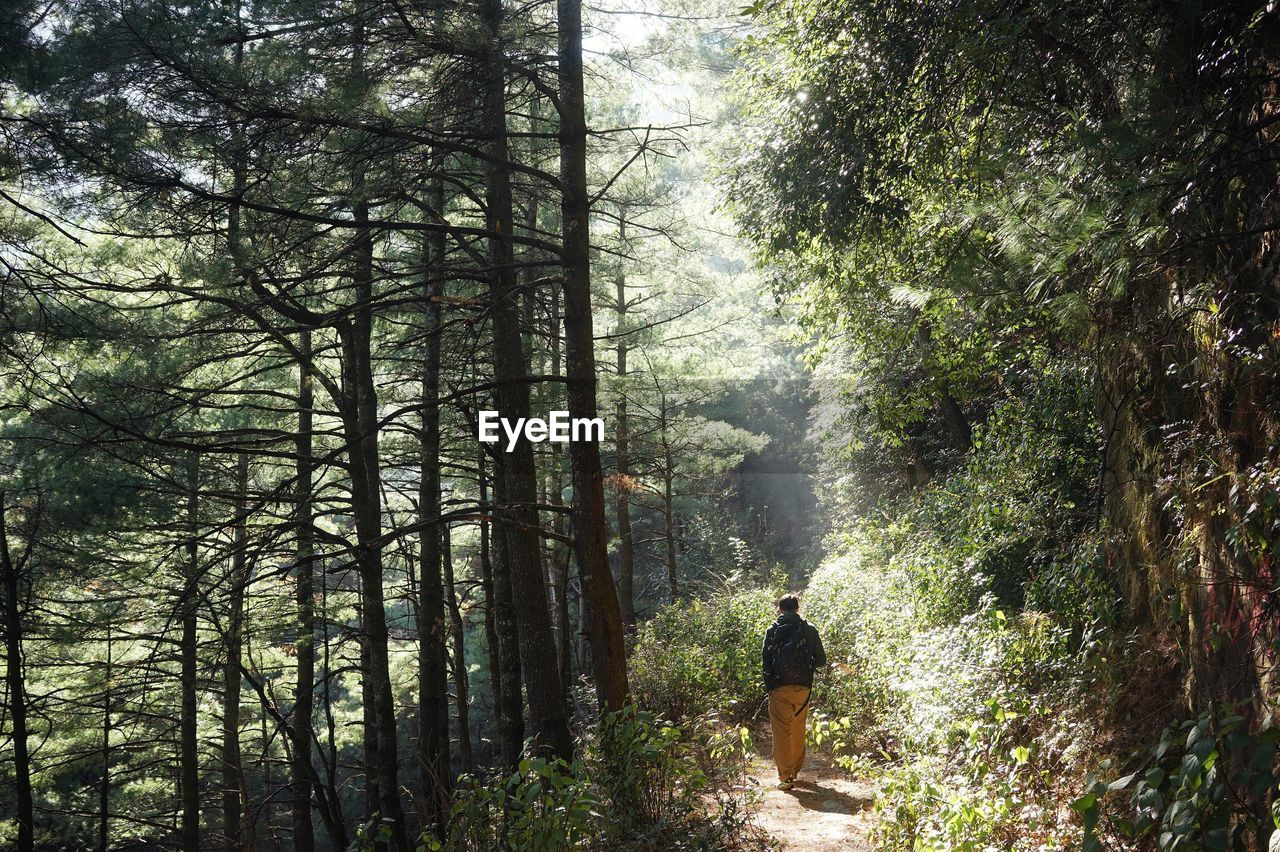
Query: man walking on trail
(792, 652)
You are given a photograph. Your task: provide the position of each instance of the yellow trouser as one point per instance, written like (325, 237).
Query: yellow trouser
(788, 709)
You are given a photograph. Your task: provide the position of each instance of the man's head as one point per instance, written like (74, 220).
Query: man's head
(790, 602)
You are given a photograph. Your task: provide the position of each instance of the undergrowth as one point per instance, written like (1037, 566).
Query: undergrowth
(640, 784)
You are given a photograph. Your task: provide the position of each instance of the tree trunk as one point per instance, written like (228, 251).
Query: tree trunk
(558, 558)
(529, 273)
(603, 617)
(268, 782)
(361, 435)
(232, 770)
(494, 602)
(335, 822)
(15, 682)
(189, 772)
(360, 426)
(304, 599)
(668, 502)
(518, 474)
(510, 671)
(458, 635)
(622, 441)
(433, 685)
(104, 782)
(368, 720)
(360, 431)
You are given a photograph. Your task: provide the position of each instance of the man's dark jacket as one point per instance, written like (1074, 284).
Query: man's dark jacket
(817, 655)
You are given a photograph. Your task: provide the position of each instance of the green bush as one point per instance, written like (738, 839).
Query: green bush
(642, 783)
(990, 784)
(704, 656)
(864, 614)
(655, 782)
(1205, 786)
(545, 805)
(644, 770)
(967, 721)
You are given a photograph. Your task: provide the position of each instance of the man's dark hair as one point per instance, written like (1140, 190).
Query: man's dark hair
(789, 602)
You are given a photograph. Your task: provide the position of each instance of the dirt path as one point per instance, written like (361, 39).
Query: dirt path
(826, 810)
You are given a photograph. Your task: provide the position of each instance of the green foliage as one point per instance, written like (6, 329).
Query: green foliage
(989, 783)
(923, 807)
(642, 783)
(545, 805)
(717, 552)
(923, 599)
(700, 656)
(864, 613)
(1016, 511)
(656, 780)
(1203, 787)
(645, 770)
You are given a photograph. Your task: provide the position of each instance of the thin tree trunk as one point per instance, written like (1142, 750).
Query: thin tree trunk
(337, 824)
(547, 712)
(232, 770)
(304, 600)
(488, 584)
(529, 271)
(556, 558)
(269, 802)
(189, 772)
(622, 441)
(104, 782)
(16, 685)
(510, 672)
(957, 424)
(603, 617)
(460, 680)
(669, 532)
(581, 647)
(668, 502)
(559, 564)
(360, 427)
(233, 784)
(368, 720)
(433, 684)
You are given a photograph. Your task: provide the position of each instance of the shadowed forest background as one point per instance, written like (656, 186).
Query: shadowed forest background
(962, 318)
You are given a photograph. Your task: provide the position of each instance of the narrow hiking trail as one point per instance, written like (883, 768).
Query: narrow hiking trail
(826, 810)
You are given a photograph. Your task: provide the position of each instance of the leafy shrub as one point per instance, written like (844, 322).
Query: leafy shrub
(968, 719)
(545, 805)
(642, 783)
(924, 807)
(864, 614)
(655, 782)
(704, 656)
(1204, 786)
(1076, 587)
(989, 786)
(646, 773)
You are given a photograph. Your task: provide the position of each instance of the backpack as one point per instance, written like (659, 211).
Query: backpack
(792, 662)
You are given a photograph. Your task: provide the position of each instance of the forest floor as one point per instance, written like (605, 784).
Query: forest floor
(826, 810)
